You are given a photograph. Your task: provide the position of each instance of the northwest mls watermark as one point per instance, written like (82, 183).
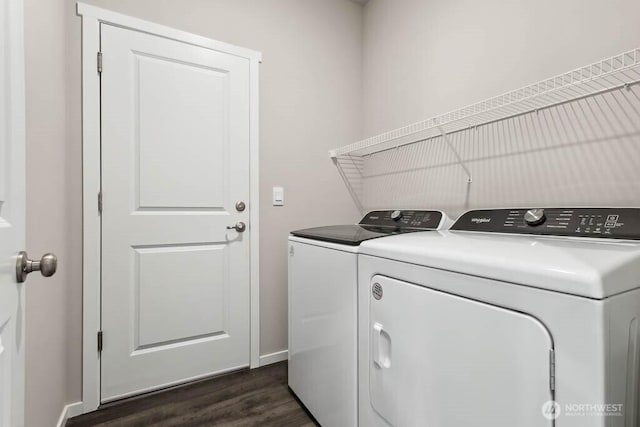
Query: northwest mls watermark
(552, 410)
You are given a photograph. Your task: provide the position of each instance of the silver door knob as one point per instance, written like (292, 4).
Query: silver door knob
(239, 227)
(46, 266)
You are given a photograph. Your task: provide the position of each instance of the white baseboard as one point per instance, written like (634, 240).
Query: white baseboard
(276, 357)
(69, 411)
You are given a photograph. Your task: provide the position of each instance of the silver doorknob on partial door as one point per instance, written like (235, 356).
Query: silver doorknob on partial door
(239, 227)
(46, 266)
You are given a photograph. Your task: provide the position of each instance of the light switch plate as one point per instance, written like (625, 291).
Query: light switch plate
(278, 196)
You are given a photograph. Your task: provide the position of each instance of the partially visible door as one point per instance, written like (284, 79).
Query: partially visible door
(175, 164)
(442, 360)
(12, 214)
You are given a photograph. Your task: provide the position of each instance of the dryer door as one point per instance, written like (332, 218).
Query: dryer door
(446, 361)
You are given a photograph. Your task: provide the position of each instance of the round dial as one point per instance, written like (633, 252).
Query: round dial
(396, 215)
(535, 217)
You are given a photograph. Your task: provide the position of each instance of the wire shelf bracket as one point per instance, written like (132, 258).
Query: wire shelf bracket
(456, 154)
(352, 191)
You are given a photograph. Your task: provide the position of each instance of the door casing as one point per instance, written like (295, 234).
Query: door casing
(92, 18)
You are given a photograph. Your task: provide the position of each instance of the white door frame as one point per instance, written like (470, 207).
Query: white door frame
(92, 17)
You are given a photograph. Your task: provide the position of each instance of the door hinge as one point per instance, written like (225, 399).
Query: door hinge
(552, 369)
(100, 202)
(99, 62)
(99, 341)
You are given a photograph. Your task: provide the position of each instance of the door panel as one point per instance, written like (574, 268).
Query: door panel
(178, 102)
(198, 308)
(12, 214)
(175, 159)
(446, 361)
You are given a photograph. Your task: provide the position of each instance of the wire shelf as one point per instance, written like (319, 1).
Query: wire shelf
(612, 73)
(595, 104)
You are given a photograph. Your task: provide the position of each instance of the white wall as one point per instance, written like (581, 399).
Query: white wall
(423, 58)
(310, 95)
(52, 339)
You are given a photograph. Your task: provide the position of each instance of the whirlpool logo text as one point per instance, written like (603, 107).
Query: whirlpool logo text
(480, 220)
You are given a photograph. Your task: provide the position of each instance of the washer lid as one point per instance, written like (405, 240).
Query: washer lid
(594, 268)
(351, 235)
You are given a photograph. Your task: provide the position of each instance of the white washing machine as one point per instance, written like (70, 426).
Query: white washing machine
(323, 266)
(512, 318)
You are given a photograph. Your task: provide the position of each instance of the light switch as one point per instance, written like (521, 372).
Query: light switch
(278, 196)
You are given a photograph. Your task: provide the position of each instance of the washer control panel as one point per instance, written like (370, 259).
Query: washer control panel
(616, 223)
(427, 220)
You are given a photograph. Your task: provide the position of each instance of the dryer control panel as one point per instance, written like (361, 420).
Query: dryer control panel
(409, 219)
(615, 223)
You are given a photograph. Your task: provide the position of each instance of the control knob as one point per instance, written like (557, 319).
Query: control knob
(396, 215)
(534, 217)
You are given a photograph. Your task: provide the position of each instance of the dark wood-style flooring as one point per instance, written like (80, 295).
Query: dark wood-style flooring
(259, 397)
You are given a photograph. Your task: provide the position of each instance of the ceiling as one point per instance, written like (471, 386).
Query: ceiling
(362, 2)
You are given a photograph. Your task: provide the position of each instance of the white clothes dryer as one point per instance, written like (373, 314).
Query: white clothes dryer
(513, 317)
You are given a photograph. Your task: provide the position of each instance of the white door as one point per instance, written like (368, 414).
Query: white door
(12, 214)
(442, 360)
(175, 163)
